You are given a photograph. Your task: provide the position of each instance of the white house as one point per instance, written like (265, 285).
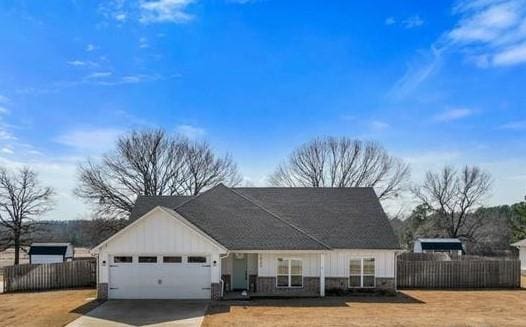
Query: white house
(40, 253)
(431, 245)
(521, 245)
(268, 241)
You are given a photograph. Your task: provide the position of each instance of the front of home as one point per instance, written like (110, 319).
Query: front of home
(268, 241)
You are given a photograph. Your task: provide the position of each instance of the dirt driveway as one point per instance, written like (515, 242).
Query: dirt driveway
(411, 308)
(46, 309)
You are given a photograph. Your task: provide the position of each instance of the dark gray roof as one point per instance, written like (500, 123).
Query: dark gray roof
(143, 204)
(343, 218)
(48, 250)
(284, 218)
(240, 224)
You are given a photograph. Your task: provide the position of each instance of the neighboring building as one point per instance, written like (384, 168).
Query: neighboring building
(521, 245)
(269, 241)
(431, 245)
(40, 253)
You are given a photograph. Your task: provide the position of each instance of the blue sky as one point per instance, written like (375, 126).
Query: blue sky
(440, 82)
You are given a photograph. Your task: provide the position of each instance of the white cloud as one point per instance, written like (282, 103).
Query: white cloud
(514, 125)
(164, 11)
(4, 110)
(412, 22)
(379, 126)
(494, 31)
(190, 131)
(4, 99)
(7, 150)
(93, 141)
(453, 114)
(121, 16)
(143, 43)
(97, 75)
(80, 63)
(390, 21)
(91, 47)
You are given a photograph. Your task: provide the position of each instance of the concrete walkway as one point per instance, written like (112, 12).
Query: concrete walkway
(144, 313)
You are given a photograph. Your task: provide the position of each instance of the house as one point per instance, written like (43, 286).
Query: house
(268, 241)
(40, 253)
(521, 245)
(431, 245)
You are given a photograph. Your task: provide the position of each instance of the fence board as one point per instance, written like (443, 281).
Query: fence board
(458, 274)
(30, 277)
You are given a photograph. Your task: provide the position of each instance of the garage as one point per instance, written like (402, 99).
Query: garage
(159, 277)
(159, 256)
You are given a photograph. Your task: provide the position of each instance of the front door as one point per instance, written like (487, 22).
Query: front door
(240, 273)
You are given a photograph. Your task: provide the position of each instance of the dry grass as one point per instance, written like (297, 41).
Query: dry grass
(54, 308)
(412, 308)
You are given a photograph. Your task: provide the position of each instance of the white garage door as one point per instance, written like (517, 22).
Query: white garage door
(159, 277)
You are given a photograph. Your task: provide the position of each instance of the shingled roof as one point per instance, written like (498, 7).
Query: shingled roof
(284, 218)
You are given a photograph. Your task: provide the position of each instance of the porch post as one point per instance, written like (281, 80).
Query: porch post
(322, 274)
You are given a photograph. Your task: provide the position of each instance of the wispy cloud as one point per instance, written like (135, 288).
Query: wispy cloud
(514, 125)
(390, 21)
(4, 110)
(412, 22)
(379, 126)
(143, 43)
(165, 11)
(453, 114)
(97, 75)
(491, 31)
(86, 140)
(81, 63)
(190, 131)
(4, 99)
(91, 47)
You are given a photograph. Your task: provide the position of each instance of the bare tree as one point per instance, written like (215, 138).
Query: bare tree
(22, 200)
(343, 162)
(204, 168)
(150, 163)
(454, 197)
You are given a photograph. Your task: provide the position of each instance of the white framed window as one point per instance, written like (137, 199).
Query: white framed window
(289, 272)
(122, 259)
(362, 272)
(196, 259)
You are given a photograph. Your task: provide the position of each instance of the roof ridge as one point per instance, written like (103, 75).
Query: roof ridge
(277, 217)
(193, 197)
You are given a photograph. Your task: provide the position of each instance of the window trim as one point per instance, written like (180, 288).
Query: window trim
(147, 256)
(361, 272)
(196, 256)
(172, 256)
(122, 256)
(289, 272)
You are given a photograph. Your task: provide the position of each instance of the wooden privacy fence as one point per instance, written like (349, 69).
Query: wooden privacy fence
(458, 274)
(30, 277)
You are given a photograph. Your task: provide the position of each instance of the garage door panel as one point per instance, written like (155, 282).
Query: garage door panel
(159, 281)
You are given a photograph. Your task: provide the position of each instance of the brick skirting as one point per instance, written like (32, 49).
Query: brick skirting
(102, 291)
(266, 286)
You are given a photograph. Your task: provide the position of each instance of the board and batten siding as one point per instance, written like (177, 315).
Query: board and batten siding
(156, 233)
(336, 262)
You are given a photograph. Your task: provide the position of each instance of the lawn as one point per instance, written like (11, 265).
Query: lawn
(53, 308)
(411, 308)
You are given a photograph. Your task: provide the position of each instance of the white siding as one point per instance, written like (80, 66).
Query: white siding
(42, 259)
(158, 233)
(337, 262)
(268, 263)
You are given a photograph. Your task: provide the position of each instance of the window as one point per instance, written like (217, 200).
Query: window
(289, 273)
(147, 259)
(172, 260)
(122, 259)
(196, 260)
(362, 272)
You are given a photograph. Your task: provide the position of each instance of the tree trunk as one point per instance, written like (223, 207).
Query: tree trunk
(17, 248)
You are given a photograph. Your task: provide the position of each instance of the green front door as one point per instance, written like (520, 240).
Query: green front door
(240, 273)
